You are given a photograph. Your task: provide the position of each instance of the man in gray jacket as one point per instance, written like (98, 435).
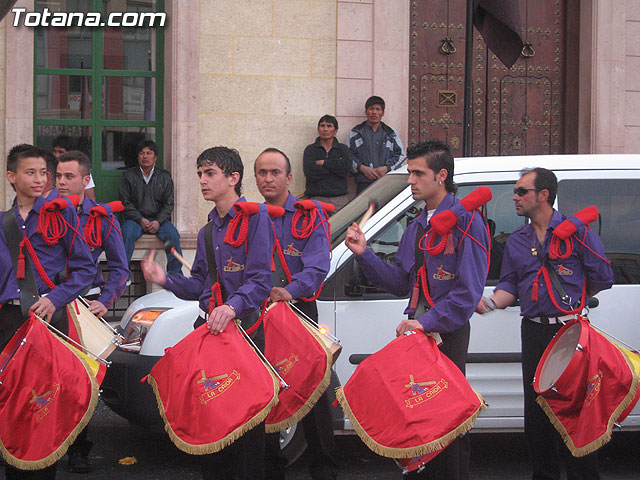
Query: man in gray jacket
(147, 195)
(376, 147)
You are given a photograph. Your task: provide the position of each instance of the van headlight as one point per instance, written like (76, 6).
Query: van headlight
(138, 327)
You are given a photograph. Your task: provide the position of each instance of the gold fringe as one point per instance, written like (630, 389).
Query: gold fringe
(606, 436)
(317, 393)
(62, 449)
(71, 311)
(204, 449)
(430, 447)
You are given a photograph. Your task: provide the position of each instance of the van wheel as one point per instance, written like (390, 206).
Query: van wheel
(292, 442)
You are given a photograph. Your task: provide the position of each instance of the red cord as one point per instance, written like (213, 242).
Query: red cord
(37, 264)
(421, 280)
(240, 220)
(255, 326)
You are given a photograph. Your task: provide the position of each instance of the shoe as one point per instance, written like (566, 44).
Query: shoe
(79, 463)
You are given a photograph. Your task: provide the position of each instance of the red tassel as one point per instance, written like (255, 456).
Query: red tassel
(534, 290)
(21, 267)
(415, 295)
(448, 249)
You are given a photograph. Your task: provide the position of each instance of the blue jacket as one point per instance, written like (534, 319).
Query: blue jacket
(392, 154)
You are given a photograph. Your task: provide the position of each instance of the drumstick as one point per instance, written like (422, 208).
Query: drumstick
(169, 248)
(373, 206)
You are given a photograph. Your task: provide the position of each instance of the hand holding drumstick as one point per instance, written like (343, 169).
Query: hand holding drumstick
(355, 239)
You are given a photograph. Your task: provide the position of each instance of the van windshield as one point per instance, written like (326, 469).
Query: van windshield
(381, 192)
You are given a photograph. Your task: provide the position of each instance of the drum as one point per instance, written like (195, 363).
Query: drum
(330, 342)
(298, 353)
(94, 334)
(586, 383)
(415, 464)
(212, 389)
(47, 397)
(409, 400)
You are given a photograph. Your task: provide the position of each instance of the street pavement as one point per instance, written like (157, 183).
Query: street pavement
(493, 456)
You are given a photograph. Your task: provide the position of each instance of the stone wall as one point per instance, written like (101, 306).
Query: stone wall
(267, 72)
(632, 77)
(3, 152)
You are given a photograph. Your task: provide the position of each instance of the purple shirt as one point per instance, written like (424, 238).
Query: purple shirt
(113, 247)
(455, 293)
(245, 271)
(519, 269)
(53, 258)
(307, 258)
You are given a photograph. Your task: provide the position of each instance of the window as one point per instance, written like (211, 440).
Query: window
(102, 87)
(618, 202)
(502, 220)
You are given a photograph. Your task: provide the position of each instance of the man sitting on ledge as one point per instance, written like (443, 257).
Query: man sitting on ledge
(147, 195)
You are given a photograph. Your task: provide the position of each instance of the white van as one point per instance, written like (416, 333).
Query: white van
(365, 318)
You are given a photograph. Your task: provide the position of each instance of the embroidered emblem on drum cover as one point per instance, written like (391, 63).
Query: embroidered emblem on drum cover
(593, 387)
(232, 266)
(423, 391)
(443, 274)
(292, 251)
(562, 270)
(216, 385)
(284, 366)
(44, 401)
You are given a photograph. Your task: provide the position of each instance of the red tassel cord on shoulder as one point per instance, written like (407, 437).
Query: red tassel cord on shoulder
(303, 221)
(93, 228)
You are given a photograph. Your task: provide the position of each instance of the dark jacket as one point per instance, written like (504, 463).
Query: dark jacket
(153, 201)
(391, 154)
(329, 179)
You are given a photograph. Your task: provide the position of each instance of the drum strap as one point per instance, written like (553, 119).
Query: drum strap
(211, 259)
(13, 235)
(420, 298)
(280, 272)
(551, 276)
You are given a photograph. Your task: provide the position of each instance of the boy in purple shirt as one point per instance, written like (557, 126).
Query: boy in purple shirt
(244, 273)
(526, 248)
(27, 173)
(455, 278)
(308, 262)
(72, 177)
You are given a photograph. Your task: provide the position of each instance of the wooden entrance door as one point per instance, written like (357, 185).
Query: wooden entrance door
(516, 111)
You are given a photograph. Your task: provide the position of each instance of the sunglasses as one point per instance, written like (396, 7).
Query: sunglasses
(521, 191)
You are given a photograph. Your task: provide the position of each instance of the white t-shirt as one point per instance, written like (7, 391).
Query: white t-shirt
(90, 184)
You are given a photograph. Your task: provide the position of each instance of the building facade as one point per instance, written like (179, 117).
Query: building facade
(253, 74)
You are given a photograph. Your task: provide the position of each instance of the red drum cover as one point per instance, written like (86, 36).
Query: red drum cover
(47, 397)
(590, 395)
(302, 360)
(212, 389)
(409, 399)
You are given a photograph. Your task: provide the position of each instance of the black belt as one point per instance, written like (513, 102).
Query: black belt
(542, 320)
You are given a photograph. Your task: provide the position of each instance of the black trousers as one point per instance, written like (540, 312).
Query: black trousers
(242, 460)
(547, 451)
(10, 321)
(453, 462)
(318, 432)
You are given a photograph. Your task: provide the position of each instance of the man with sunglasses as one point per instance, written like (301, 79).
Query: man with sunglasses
(525, 251)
